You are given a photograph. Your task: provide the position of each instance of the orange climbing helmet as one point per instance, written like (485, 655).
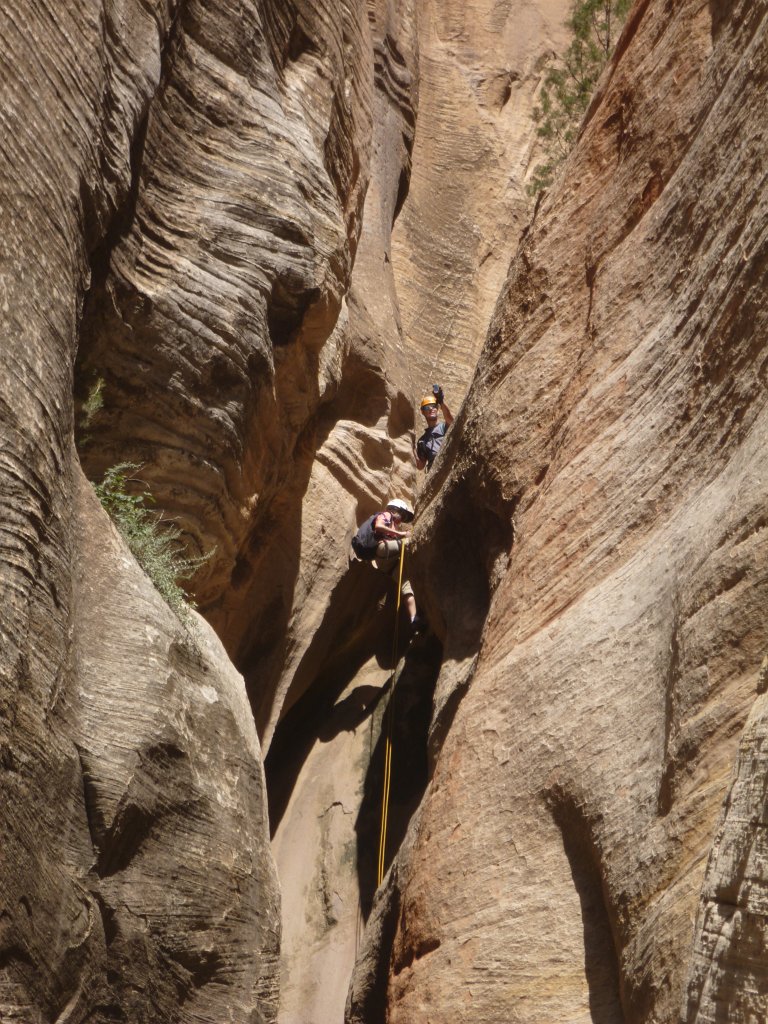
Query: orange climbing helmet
(428, 400)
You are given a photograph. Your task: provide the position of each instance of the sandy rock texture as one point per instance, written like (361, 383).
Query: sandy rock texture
(217, 322)
(330, 687)
(136, 872)
(326, 834)
(603, 496)
(245, 313)
(355, 450)
(480, 67)
(728, 979)
(174, 798)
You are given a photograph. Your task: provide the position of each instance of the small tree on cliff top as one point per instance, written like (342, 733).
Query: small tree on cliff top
(571, 79)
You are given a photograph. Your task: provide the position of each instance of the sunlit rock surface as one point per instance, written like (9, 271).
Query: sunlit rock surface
(174, 799)
(604, 495)
(327, 835)
(267, 227)
(221, 288)
(480, 68)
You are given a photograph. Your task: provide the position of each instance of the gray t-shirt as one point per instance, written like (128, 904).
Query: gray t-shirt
(430, 442)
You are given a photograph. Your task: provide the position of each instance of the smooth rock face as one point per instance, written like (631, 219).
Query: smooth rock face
(317, 849)
(480, 66)
(619, 419)
(136, 872)
(174, 799)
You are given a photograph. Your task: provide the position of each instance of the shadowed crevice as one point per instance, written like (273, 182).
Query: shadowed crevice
(465, 557)
(412, 709)
(601, 962)
(315, 715)
(367, 999)
(666, 785)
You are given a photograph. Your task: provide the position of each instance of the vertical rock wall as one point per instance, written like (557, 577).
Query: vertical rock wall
(615, 439)
(136, 872)
(221, 288)
(266, 226)
(480, 67)
(327, 826)
(727, 974)
(174, 799)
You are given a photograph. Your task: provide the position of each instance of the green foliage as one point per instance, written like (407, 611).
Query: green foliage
(569, 82)
(90, 407)
(94, 402)
(156, 545)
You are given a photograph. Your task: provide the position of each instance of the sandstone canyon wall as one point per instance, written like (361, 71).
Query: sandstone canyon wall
(604, 494)
(480, 68)
(266, 226)
(324, 770)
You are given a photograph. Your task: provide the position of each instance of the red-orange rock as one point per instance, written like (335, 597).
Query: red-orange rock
(618, 426)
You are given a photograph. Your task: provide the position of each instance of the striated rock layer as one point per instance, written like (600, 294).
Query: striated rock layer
(136, 880)
(728, 976)
(480, 67)
(326, 824)
(221, 287)
(197, 208)
(175, 802)
(603, 496)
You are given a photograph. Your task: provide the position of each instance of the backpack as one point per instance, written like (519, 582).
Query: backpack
(364, 542)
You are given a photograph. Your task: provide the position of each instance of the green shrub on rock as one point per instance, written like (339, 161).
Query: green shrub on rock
(155, 543)
(570, 81)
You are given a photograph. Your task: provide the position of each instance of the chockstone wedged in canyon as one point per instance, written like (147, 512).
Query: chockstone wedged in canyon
(265, 228)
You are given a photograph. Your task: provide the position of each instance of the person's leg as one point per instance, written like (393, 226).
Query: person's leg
(406, 591)
(388, 561)
(388, 550)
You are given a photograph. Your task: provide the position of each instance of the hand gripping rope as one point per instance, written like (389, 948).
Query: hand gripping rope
(389, 716)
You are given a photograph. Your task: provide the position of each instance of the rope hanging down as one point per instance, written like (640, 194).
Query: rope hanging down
(389, 714)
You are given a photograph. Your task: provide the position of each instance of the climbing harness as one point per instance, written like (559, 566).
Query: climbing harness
(389, 715)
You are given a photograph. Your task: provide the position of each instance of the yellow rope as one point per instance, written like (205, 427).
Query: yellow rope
(390, 716)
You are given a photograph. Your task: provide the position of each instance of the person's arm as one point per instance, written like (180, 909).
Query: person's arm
(447, 414)
(420, 463)
(382, 525)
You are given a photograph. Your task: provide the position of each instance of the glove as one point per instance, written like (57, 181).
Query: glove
(439, 395)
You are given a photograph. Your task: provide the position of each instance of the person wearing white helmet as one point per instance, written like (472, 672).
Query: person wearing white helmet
(431, 441)
(381, 539)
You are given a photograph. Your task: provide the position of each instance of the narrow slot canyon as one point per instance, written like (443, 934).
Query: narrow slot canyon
(251, 255)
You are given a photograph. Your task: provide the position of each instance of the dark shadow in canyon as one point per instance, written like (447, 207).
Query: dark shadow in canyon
(467, 550)
(318, 716)
(412, 708)
(601, 963)
(358, 627)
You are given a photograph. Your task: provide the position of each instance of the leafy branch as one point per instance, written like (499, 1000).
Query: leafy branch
(570, 82)
(155, 543)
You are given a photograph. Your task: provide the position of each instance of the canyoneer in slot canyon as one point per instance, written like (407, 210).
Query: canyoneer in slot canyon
(429, 444)
(380, 540)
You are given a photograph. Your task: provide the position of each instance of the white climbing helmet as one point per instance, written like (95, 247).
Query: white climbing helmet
(403, 509)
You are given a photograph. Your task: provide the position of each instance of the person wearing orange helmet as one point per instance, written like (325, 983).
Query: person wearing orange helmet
(426, 448)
